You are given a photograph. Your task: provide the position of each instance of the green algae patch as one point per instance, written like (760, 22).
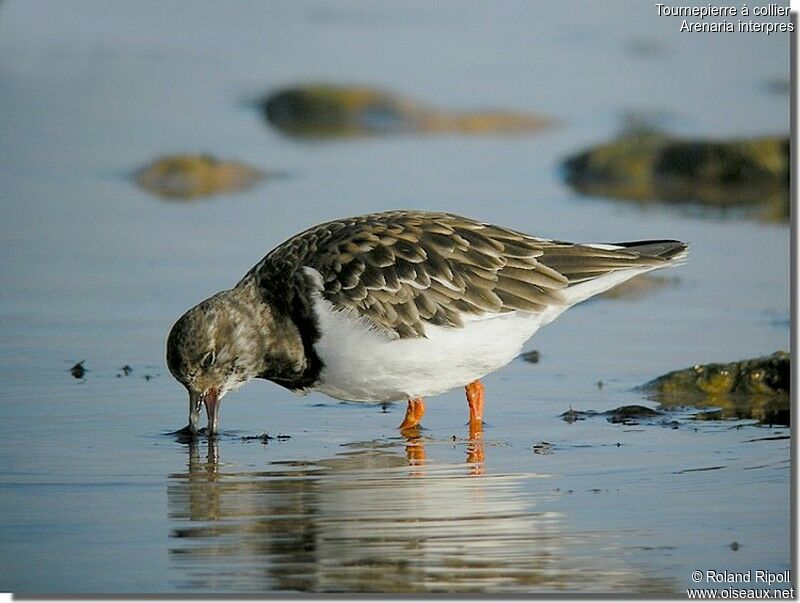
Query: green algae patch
(331, 111)
(651, 166)
(757, 388)
(192, 176)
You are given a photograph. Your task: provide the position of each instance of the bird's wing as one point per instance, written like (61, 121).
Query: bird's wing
(405, 269)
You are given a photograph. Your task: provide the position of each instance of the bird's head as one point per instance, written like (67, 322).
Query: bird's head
(213, 349)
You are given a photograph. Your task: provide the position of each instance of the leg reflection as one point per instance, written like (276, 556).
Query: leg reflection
(475, 448)
(200, 488)
(415, 448)
(207, 467)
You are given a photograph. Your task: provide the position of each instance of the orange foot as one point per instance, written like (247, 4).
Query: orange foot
(414, 412)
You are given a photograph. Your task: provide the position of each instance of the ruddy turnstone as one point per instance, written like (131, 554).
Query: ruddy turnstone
(398, 305)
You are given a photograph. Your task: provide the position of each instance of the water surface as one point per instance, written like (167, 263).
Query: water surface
(95, 498)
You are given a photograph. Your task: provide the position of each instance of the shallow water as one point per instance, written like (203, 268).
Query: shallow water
(96, 498)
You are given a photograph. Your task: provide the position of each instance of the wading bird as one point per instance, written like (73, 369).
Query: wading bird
(389, 306)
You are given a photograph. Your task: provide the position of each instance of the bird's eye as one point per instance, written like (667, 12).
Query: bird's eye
(208, 359)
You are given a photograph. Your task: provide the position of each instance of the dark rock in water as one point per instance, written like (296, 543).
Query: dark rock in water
(532, 356)
(328, 111)
(192, 176)
(757, 388)
(263, 438)
(78, 370)
(654, 167)
(628, 415)
(127, 369)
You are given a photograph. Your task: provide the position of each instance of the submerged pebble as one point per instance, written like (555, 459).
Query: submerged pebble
(328, 110)
(263, 438)
(573, 415)
(543, 448)
(626, 415)
(78, 370)
(533, 356)
(192, 176)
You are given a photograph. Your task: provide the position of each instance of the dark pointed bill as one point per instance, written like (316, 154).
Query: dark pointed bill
(195, 402)
(209, 398)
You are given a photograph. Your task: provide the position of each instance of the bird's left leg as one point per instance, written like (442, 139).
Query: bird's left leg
(414, 412)
(475, 399)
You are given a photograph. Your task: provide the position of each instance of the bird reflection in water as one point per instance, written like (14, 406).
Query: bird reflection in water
(364, 520)
(415, 448)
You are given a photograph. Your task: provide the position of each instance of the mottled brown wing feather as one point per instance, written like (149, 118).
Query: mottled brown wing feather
(405, 269)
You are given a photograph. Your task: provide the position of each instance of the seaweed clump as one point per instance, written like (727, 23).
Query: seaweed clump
(756, 388)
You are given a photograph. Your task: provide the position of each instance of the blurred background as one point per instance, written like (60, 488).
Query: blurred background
(151, 153)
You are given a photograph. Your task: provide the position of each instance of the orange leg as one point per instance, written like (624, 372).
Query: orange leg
(414, 412)
(475, 399)
(475, 452)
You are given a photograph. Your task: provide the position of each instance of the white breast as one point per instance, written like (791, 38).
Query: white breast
(365, 364)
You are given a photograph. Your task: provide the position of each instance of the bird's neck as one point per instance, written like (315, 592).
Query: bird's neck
(288, 330)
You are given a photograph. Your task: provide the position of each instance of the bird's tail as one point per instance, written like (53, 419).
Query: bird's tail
(638, 258)
(674, 251)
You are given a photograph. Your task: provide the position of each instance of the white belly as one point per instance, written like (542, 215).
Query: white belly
(365, 364)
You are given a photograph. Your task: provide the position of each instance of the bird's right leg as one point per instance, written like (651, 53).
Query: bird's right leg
(414, 412)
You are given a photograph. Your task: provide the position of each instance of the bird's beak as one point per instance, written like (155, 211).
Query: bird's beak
(195, 402)
(210, 398)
